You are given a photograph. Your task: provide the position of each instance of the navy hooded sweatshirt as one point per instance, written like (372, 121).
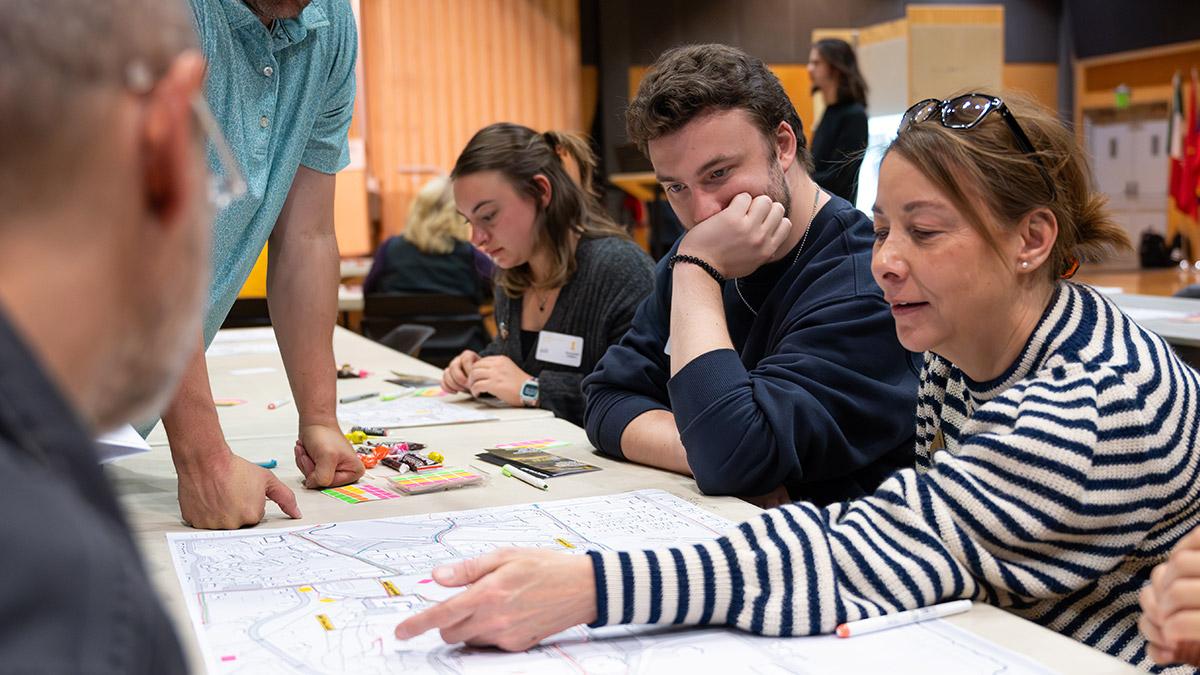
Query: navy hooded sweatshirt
(817, 394)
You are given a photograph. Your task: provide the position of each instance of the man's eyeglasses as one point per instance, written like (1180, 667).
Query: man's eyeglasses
(225, 181)
(966, 112)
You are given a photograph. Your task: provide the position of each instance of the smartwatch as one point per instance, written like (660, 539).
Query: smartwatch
(529, 393)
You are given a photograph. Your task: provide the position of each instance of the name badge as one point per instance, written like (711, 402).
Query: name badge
(566, 350)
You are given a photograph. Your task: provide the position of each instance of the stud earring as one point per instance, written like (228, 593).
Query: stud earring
(1024, 264)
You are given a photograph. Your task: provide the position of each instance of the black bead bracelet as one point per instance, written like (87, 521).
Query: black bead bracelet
(691, 259)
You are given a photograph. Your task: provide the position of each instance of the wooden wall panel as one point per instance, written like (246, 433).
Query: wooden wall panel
(350, 202)
(1152, 68)
(883, 61)
(439, 70)
(796, 82)
(589, 95)
(940, 36)
(1039, 80)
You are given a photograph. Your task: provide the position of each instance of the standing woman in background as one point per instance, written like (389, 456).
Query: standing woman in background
(841, 137)
(569, 278)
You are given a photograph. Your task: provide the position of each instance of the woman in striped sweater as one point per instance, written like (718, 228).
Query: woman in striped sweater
(1055, 436)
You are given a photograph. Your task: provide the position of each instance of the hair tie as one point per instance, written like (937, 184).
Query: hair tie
(1072, 267)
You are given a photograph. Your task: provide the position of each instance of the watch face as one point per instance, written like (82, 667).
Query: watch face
(529, 393)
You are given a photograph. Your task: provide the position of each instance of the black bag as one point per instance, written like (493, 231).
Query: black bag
(1153, 250)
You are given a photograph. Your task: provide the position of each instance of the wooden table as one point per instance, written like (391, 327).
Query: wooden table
(1177, 320)
(355, 268)
(350, 298)
(259, 378)
(146, 485)
(1165, 281)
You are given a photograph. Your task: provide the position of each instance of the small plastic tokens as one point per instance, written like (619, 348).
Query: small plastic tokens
(347, 372)
(434, 480)
(357, 494)
(370, 455)
(370, 431)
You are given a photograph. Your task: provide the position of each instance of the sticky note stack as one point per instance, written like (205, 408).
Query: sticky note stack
(434, 480)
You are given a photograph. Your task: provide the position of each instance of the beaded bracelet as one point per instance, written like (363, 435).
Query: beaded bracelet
(712, 271)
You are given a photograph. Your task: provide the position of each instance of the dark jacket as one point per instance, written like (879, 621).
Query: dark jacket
(837, 147)
(74, 597)
(400, 267)
(817, 394)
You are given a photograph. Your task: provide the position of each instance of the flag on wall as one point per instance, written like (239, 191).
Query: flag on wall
(1185, 166)
(1176, 126)
(1183, 139)
(1191, 150)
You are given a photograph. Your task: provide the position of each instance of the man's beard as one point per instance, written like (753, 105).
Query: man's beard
(277, 9)
(778, 189)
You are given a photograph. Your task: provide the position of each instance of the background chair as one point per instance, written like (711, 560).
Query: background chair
(248, 313)
(456, 321)
(408, 338)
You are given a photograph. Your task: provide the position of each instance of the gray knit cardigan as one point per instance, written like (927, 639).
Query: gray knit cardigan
(612, 277)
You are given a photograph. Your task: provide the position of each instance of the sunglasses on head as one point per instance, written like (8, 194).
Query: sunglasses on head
(966, 112)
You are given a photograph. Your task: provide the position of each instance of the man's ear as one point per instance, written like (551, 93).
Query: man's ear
(171, 142)
(785, 145)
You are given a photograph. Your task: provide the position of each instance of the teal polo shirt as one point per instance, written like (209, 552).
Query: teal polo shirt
(283, 97)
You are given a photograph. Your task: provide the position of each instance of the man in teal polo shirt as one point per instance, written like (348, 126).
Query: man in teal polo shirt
(281, 84)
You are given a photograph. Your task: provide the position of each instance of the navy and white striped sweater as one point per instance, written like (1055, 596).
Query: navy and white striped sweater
(1061, 484)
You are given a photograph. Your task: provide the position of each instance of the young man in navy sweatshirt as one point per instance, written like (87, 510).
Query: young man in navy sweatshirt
(765, 363)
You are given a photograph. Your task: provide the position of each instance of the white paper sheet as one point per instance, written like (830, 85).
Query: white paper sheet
(231, 335)
(326, 598)
(238, 341)
(119, 443)
(1148, 314)
(406, 412)
(252, 371)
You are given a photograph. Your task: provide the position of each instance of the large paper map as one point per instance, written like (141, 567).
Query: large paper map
(408, 412)
(326, 598)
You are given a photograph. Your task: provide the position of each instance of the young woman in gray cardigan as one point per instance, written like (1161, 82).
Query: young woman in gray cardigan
(569, 279)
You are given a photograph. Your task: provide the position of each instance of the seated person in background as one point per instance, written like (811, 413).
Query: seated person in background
(841, 137)
(434, 255)
(766, 362)
(1171, 606)
(102, 151)
(1056, 437)
(570, 279)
